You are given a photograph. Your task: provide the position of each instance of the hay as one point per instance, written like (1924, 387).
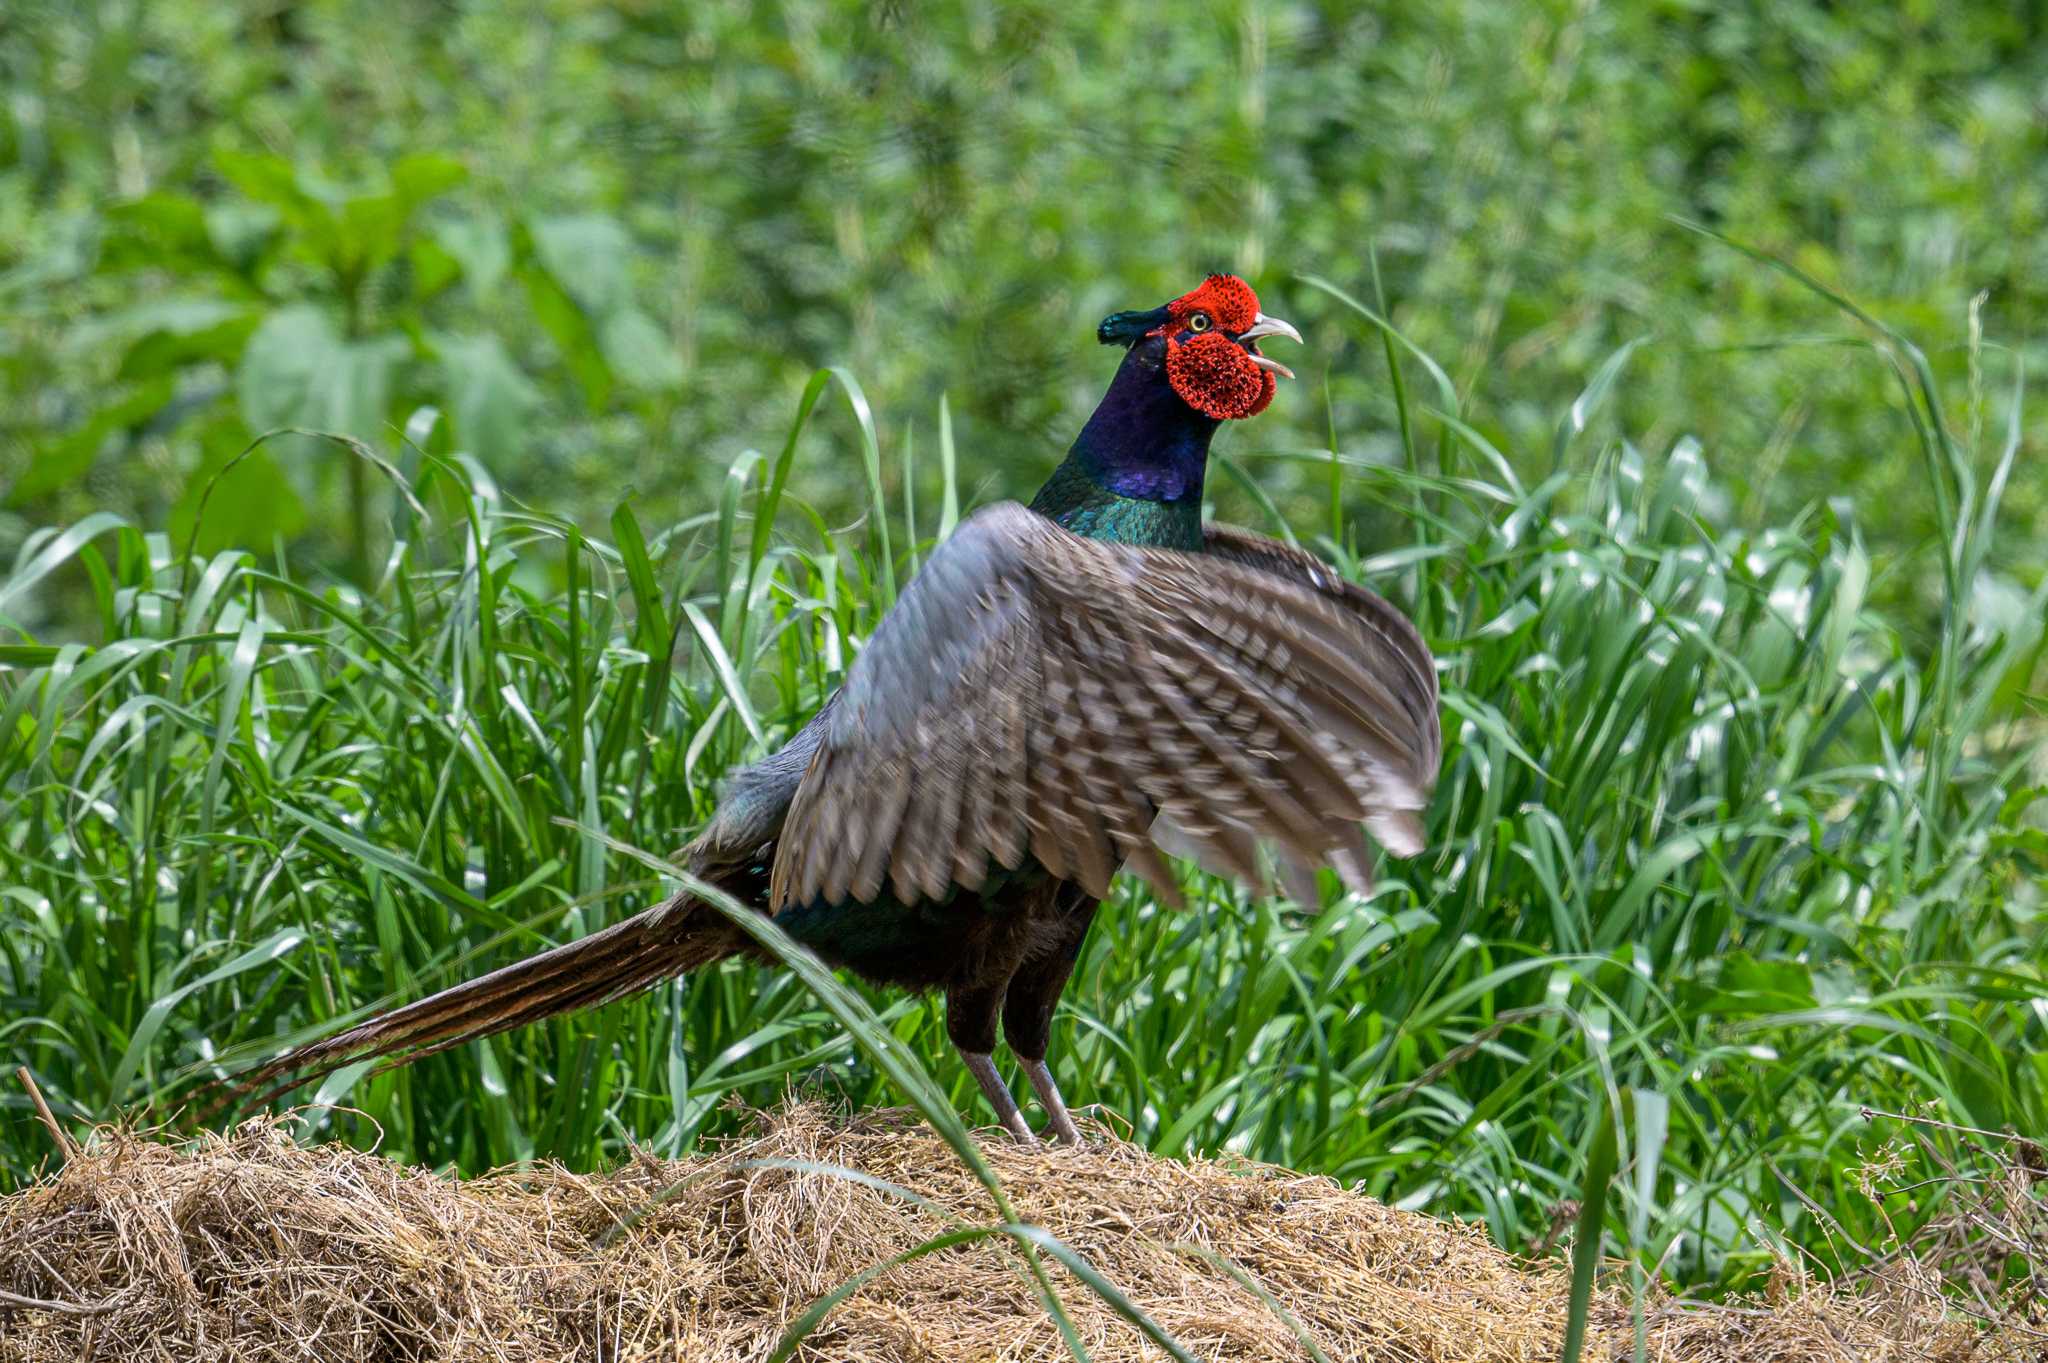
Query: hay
(250, 1247)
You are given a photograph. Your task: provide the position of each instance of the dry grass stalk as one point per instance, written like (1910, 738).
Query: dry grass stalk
(251, 1247)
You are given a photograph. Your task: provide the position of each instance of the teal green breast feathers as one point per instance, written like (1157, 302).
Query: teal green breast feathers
(1074, 500)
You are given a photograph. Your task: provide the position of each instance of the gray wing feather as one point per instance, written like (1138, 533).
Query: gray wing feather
(1033, 691)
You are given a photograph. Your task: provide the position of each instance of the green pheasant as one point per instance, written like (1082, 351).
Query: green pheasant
(1065, 690)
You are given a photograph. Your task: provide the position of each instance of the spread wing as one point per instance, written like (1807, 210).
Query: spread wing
(1414, 680)
(1034, 693)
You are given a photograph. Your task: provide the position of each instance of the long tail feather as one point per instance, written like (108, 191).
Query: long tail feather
(625, 958)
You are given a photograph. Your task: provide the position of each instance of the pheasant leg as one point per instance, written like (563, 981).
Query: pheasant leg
(1033, 995)
(1063, 1128)
(983, 1068)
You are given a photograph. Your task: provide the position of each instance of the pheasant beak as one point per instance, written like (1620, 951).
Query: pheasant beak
(1263, 325)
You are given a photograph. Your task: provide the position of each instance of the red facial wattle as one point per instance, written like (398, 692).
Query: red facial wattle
(1215, 375)
(1208, 359)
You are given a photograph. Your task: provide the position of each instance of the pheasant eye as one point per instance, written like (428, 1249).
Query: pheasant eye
(1198, 321)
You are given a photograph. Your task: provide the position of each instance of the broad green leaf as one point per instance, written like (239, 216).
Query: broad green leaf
(489, 398)
(252, 502)
(639, 352)
(575, 337)
(588, 254)
(288, 360)
(264, 177)
(424, 175)
(68, 457)
(482, 247)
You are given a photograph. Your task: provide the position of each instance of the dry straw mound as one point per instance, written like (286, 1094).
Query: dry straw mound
(252, 1247)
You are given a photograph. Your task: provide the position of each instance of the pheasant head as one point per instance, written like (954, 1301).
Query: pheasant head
(1135, 472)
(1209, 339)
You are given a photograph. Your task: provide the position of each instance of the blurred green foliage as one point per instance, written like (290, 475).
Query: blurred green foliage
(1741, 709)
(1715, 844)
(606, 242)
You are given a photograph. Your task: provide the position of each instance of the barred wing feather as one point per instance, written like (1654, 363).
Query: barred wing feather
(1089, 704)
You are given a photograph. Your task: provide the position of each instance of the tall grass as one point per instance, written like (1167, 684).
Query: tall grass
(1717, 845)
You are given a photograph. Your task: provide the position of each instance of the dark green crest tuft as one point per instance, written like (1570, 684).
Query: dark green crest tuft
(1128, 328)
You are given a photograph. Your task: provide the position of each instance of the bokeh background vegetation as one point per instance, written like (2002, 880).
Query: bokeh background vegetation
(609, 242)
(1740, 608)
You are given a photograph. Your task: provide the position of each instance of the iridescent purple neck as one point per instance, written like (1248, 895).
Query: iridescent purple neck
(1143, 441)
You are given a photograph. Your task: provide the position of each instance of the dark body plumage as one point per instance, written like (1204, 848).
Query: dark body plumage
(1062, 691)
